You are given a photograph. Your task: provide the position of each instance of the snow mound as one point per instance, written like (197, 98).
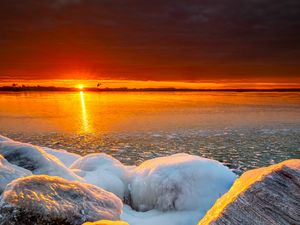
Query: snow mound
(103, 171)
(106, 222)
(156, 217)
(35, 159)
(50, 200)
(65, 157)
(9, 172)
(179, 182)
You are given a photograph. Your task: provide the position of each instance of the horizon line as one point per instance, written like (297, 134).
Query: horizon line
(149, 89)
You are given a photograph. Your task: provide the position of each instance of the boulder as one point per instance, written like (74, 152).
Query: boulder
(2, 138)
(42, 199)
(103, 171)
(179, 182)
(67, 158)
(35, 159)
(10, 172)
(265, 196)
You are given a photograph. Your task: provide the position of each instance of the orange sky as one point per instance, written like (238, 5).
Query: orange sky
(191, 42)
(148, 84)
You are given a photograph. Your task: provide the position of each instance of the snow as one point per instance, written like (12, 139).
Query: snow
(103, 171)
(9, 172)
(179, 182)
(35, 159)
(2, 138)
(173, 190)
(54, 200)
(156, 217)
(106, 222)
(65, 157)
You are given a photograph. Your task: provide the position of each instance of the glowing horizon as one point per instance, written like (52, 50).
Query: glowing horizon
(81, 84)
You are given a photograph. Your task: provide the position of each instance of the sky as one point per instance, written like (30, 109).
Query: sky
(203, 41)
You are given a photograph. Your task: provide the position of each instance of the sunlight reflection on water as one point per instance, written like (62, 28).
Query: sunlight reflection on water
(242, 130)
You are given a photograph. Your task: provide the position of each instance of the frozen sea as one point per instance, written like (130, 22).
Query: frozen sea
(241, 130)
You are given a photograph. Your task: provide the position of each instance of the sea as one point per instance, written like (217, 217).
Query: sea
(243, 130)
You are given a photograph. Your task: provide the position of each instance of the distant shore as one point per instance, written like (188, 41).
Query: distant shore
(124, 89)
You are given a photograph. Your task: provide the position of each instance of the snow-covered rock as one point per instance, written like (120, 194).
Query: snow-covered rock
(10, 172)
(42, 199)
(103, 171)
(179, 182)
(262, 196)
(2, 138)
(35, 159)
(67, 158)
(106, 222)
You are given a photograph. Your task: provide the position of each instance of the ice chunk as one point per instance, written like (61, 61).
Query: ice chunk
(10, 172)
(50, 200)
(103, 171)
(35, 159)
(179, 182)
(65, 157)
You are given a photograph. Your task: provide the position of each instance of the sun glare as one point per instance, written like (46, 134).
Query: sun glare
(80, 86)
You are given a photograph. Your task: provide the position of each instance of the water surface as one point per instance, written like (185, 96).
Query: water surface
(243, 130)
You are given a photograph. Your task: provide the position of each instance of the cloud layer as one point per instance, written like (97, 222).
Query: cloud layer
(158, 40)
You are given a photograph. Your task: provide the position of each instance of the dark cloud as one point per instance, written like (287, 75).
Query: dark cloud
(159, 40)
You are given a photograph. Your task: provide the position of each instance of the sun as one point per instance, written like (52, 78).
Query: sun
(80, 86)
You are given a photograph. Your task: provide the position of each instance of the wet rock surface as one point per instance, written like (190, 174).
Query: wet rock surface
(38, 200)
(265, 196)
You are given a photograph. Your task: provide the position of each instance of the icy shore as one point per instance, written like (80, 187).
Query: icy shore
(39, 186)
(174, 190)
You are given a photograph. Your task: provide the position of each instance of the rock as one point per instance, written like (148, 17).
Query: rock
(265, 196)
(35, 159)
(106, 222)
(179, 182)
(2, 138)
(9, 172)
(42, 199)
(67, 158)
(103, 171)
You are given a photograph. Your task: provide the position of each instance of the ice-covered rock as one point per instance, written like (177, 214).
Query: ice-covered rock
(35, 159)
(42, 199)
(179, 182)
(262, 196)
(10, 172)
(103, 171)
(67, 158)
(2, 138)
(106, 222)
